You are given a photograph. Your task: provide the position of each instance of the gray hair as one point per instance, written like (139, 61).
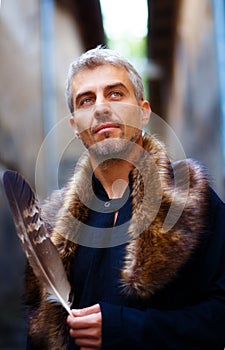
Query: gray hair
(97, 57)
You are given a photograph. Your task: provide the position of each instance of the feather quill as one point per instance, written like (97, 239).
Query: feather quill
(36, 243)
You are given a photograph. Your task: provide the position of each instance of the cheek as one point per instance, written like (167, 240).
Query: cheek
(85, 136)
(83, 128)
(133, 120)
(86, 139)
(82, 125)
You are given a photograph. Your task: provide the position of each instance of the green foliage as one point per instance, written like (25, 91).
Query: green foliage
(130, 47)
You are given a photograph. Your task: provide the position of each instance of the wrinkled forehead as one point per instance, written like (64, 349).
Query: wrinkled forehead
(102, 75)
(101, 69)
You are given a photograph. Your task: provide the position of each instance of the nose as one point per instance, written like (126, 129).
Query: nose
(102, 111)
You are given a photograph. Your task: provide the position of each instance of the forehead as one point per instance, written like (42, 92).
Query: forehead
(99, 77)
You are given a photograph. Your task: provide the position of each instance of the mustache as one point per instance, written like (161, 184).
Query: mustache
(105, 120)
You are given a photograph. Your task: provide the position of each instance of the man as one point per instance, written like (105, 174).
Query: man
(142, 240)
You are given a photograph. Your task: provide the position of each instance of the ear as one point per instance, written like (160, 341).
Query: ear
(74, 127)
(146, 111)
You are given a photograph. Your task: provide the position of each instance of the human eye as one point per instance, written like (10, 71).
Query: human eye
(116, 95)
(85, 102)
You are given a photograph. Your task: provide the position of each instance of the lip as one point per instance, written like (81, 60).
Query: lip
(105, 127)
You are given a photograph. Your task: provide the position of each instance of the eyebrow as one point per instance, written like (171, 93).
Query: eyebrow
(79, 96)
(107, 87)
(117, 85)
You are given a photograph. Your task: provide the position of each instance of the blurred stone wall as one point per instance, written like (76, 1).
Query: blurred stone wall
(22, 133)
(21, 114)
(20, 85)
(194, 106)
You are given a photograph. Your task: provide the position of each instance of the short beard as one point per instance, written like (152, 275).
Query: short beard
(113, 149)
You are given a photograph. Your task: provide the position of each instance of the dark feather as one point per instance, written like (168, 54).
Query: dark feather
(36, 243)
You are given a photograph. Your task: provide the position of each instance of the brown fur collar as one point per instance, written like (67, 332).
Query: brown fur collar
(154, 254)
(169, 204)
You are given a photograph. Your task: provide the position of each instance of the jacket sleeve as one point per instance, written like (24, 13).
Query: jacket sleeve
(198, 325)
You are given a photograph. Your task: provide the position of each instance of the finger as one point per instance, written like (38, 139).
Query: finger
(87, 321)
(78, 322)
(88, 333)
(86, 311)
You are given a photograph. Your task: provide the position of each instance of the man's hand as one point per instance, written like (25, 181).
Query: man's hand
(86, 327)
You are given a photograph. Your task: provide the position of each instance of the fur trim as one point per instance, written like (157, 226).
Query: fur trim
(168, 209)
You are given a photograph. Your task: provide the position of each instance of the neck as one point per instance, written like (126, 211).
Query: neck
(114, 176)
(114, 173)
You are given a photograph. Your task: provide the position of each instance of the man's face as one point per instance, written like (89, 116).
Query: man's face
(107, 113)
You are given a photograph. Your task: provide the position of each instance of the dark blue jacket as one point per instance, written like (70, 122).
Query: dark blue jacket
(189, 313)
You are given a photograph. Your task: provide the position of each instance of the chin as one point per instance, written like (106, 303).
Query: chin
(111, 148)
